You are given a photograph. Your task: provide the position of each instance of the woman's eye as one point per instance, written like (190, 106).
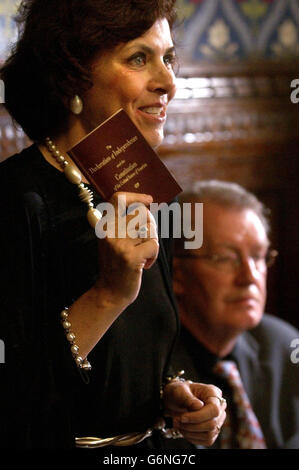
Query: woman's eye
(138, 59)
(170, 59)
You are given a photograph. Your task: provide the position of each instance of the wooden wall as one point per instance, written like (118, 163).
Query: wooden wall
(237, 123)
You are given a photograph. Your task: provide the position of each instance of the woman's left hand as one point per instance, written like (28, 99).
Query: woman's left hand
(197, 410)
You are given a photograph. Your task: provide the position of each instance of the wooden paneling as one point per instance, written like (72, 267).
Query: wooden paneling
(248, 135)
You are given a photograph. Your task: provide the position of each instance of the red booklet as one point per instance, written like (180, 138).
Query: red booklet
(116, 157)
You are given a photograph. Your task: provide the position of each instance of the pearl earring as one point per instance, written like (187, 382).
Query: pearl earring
(76, 105)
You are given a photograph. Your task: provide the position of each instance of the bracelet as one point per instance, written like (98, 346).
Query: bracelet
(171, 433)
(173, 378)
(176, 378)
(81, 363)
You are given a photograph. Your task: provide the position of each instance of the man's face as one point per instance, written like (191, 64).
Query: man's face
(225, 288)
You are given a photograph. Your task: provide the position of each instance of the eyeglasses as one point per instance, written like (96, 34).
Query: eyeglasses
(232, 261)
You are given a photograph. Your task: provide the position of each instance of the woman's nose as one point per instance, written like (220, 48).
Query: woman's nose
(163, 81)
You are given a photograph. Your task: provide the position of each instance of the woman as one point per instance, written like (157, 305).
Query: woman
(76, 63)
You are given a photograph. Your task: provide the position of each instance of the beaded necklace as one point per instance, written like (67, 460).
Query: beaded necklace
(75, 177)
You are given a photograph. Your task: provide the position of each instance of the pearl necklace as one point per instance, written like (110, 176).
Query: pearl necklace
(75, 177)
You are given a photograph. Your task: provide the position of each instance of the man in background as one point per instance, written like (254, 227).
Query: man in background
(226, 337)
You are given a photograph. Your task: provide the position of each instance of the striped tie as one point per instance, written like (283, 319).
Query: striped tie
(249, 433)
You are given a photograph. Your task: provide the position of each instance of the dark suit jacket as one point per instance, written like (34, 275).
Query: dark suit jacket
(270, 378)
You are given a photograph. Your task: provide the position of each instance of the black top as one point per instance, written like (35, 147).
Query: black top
(49, 259)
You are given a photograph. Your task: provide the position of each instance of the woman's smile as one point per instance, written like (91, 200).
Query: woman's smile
(137, 76)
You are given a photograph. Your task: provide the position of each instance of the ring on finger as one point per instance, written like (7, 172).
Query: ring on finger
(218, 428)
(222, 400)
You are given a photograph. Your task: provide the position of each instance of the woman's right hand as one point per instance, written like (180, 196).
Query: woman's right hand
(121, 264)
(123, 258)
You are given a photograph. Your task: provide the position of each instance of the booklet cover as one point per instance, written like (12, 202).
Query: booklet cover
(116, 157)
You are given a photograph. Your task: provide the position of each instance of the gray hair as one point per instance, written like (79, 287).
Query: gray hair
(228, 195)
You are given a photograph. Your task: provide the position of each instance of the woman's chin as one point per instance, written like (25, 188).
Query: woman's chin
(154, 139)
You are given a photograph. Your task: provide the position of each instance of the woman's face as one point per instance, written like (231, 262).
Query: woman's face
(138, 77)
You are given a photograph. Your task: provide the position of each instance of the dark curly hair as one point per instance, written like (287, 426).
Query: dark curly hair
(51, 62)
